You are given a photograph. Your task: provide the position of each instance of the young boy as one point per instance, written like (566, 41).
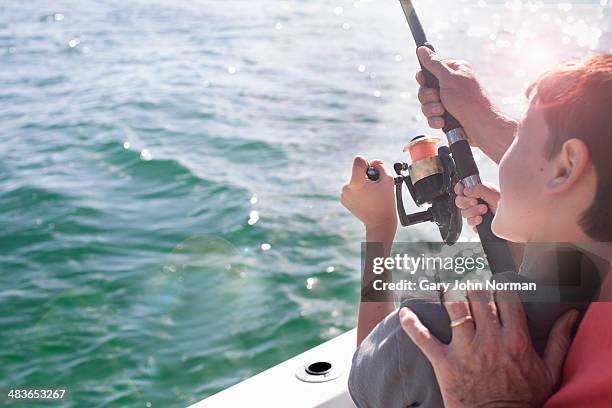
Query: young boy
(556, 186)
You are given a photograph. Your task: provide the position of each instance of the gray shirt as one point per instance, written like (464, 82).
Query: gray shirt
(389, 371)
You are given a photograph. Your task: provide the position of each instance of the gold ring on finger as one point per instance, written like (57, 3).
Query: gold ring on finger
(460, 321)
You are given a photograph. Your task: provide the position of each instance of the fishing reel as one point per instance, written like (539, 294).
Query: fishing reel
(430, 179)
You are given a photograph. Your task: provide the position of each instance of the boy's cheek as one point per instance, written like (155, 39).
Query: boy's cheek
(511, 206)
(519, 204)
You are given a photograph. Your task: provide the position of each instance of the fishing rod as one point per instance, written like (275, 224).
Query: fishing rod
(433, 174)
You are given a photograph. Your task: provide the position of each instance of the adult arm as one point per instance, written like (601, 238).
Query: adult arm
(462, 95)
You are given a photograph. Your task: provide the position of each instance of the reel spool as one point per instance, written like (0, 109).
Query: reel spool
(430, 179)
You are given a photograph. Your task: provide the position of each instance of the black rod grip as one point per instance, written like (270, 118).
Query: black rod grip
(464, 159)
(450, 122)
(496, 248)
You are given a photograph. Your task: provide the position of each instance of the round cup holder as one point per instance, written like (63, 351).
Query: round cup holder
(319, 368)
(318, 371)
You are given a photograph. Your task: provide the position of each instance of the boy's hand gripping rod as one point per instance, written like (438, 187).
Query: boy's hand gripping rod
(495, 248)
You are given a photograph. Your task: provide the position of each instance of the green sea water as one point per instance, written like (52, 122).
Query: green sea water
(170, 170)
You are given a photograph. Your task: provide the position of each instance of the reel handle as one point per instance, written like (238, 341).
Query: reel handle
(373, 173)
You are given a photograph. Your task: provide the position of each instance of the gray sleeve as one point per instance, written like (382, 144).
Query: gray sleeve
(390, 371)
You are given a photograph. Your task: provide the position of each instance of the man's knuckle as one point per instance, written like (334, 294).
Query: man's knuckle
(456, 307)
(422, 95)
(434, 122)
(518, 343)
(490, 353)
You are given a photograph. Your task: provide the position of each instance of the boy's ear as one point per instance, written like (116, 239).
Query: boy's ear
(568, 165)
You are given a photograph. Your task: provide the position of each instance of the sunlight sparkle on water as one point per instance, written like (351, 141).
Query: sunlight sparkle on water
(586, 35)
(515, 5)
(253, 217)
(146, 155)
(311, 282)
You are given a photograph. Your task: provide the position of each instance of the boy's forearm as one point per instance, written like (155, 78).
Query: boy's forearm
(372, 312)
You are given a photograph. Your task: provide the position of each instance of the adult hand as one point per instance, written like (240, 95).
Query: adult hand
(462, 95)
(490, 361)
(372, 202)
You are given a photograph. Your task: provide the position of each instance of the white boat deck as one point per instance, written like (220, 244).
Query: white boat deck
(279, 386)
